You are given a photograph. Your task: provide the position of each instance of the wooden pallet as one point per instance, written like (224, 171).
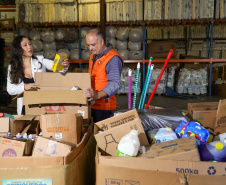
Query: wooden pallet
(138, 94)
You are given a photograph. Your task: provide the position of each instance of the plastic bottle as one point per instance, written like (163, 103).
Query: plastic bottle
(214, 151)
(129, 145)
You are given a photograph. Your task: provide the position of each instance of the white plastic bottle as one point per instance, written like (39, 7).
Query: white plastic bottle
(129, 145)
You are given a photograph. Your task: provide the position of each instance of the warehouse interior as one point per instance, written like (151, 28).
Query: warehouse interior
(173, 79)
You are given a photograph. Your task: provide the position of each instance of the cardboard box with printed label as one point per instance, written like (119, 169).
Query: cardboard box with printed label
(171, 169)
(47, 147)
(205, 113)
(113, 129)
(65, 127)
(71, 169)
(148, 171)
(11, 148)
(220, 125)
(55, 94)
(178, 149)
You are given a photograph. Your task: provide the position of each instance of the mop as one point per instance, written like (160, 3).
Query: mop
(136, 83)
(147, 84)
(159, 78)
(129, 96)
(142, 95)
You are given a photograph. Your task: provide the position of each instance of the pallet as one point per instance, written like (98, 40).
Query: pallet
(159, 94)
(138, 94)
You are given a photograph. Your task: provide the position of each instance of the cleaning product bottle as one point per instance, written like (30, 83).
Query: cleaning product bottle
(129, 145)
(214, 151)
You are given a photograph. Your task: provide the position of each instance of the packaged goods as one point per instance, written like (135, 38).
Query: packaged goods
(59, 58)
(187, 129)
(161, 135)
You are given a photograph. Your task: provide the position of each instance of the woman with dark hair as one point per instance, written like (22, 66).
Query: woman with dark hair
(22, 67)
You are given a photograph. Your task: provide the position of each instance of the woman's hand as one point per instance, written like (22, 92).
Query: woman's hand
(30, 86)
(65, 63)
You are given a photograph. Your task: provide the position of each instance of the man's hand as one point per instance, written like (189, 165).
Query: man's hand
(90, 94)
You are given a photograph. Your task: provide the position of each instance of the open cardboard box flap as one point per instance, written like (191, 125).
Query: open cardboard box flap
(63, 80)
(115, 128)
(59, 96)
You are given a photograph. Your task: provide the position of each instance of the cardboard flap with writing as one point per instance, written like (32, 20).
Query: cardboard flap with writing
(83, 80)
(220, 125)
(117, 120)
(60, 96)
(108, 140)
(178, 149)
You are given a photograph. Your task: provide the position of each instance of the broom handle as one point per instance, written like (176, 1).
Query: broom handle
(159, 78)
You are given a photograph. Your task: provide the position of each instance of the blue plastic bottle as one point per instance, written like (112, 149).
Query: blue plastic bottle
(214, 151)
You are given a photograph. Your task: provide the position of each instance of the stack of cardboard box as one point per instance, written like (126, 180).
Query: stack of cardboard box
(171, 162)
(63, 155)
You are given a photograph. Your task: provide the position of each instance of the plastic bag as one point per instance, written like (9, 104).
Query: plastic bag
(159, 118)
(35, 34)
(59, 34)
(187, 129)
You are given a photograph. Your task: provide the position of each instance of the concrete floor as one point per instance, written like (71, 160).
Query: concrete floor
(167, 102)
(160, 101)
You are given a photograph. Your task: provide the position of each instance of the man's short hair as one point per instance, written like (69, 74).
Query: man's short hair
(99, 34)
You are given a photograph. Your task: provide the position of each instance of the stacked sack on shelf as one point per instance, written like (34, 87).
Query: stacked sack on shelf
(125, 81)
(126, 42)
(192, 81)
(50, 42)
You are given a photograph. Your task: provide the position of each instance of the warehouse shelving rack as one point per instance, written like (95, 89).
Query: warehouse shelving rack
(209, 22)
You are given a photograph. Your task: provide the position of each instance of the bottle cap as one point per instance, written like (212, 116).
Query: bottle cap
(219, 146)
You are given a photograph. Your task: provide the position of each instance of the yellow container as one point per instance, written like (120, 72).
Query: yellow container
(59, 58)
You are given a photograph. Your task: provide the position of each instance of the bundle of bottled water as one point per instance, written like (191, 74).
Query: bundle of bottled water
(124, 83)
(192, 81)
(162, 83)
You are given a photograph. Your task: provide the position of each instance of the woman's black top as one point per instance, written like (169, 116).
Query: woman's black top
(26, 81)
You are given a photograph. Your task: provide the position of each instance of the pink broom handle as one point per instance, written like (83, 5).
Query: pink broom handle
(130, 81)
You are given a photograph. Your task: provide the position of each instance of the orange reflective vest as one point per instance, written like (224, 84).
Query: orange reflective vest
(99, 80)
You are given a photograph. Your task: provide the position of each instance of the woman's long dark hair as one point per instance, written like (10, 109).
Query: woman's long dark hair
(17, 73)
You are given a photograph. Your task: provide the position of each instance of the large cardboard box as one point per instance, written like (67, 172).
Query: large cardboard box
(204, 113)
(7, 24)
(160, 49)
(55, 94)
(219, 89)
(11, 148)
(144, 171)
(220, 125)
(113, 129)
(48, 147)
(65, 127)
(77, 168)
(178, 149)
